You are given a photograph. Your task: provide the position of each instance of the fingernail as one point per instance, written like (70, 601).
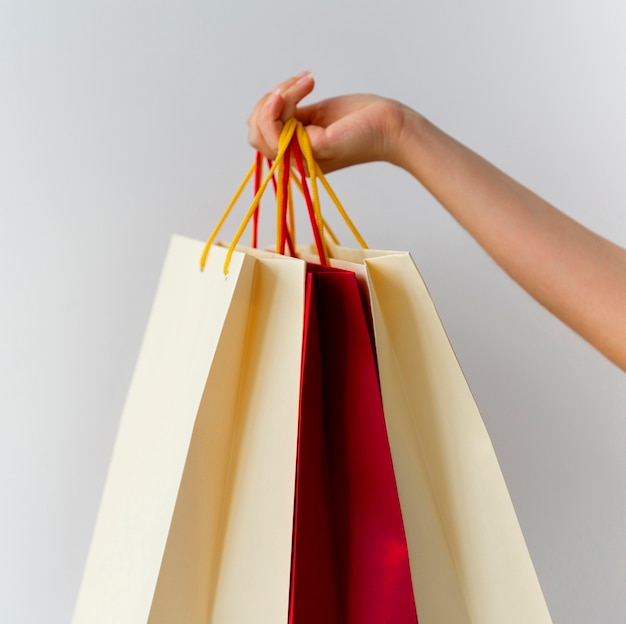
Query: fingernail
(272, 98)
(304, 76)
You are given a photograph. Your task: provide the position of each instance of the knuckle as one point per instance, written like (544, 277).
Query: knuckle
(253, 138)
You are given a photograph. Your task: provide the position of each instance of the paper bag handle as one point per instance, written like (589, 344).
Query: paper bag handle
(292, 134)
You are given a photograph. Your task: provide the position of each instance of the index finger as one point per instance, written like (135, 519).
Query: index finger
(269, 115)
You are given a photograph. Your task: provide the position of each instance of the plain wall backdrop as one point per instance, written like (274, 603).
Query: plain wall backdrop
(123, 121)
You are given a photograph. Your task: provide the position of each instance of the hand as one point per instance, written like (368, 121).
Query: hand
(343, 131)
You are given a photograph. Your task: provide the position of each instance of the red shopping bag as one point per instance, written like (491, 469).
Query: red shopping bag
(350, 559)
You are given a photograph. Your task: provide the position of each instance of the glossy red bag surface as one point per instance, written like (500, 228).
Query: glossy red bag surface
(350, 559)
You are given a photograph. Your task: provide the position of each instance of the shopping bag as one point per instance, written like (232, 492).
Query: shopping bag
(350, 559)
(195, 523)
(469, 560)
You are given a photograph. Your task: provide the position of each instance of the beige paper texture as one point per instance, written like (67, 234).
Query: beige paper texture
(468, 557)
(188, 524)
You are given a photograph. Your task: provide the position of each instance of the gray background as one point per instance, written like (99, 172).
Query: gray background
(122, 122)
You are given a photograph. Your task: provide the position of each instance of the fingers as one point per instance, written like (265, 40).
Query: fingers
(267, 119)
(265, 124)
(293, 91)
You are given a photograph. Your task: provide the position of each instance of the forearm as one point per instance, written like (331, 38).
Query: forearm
(576, 274)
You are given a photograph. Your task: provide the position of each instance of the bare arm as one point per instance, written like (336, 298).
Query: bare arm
(576, 274)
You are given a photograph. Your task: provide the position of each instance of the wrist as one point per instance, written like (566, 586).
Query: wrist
(410, 137)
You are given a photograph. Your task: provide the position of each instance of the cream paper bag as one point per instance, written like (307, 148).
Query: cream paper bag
(195, 523)
(469, 560)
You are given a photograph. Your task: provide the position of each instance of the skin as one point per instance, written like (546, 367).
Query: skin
(576, 274)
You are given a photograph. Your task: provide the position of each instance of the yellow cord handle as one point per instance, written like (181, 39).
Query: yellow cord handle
(327, 228)
(291, 128)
